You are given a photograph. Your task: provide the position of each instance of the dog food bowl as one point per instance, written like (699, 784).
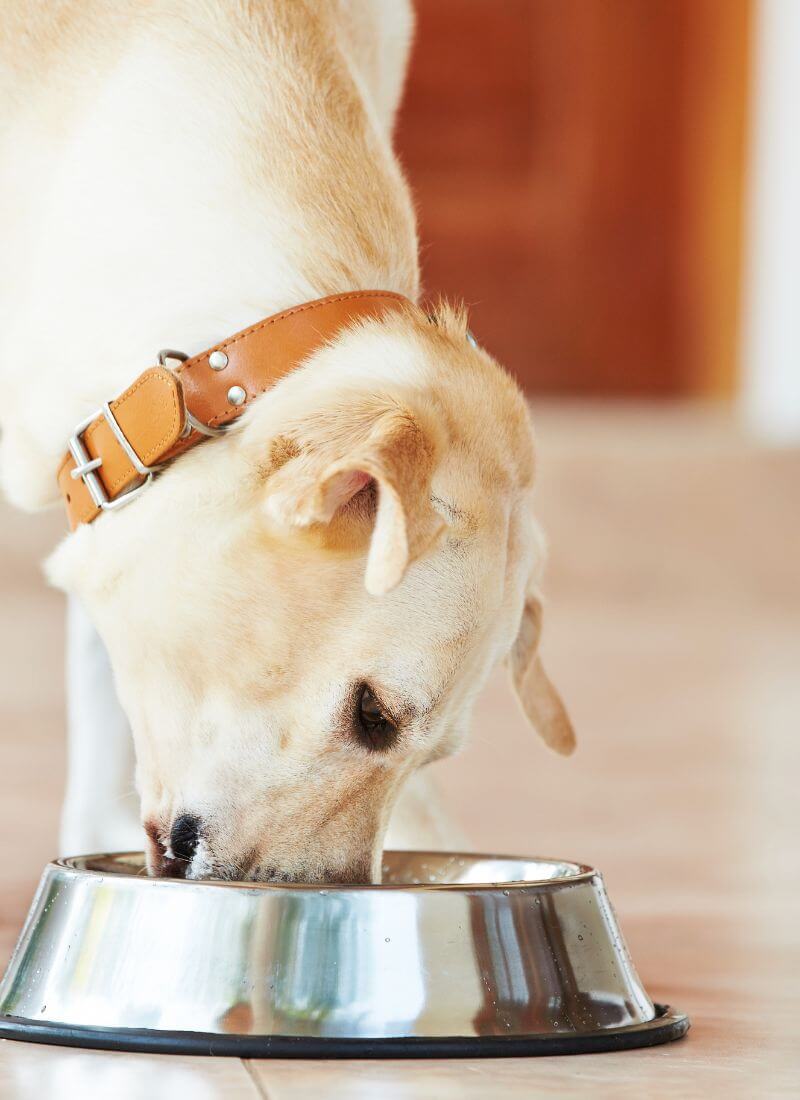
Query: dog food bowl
(453, 955)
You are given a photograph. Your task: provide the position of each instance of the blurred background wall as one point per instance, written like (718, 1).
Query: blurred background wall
(581, 174)
(771, 319)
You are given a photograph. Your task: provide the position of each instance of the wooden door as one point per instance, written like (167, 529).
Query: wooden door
(578, 168)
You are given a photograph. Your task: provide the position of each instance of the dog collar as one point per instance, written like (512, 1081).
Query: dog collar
(113, 454)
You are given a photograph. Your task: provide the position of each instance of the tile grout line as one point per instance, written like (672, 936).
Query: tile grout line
(249, 1069)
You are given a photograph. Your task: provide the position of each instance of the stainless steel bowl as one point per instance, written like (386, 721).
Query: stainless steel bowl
(454, 954)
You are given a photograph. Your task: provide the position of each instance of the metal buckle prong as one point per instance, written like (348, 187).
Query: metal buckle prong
(85, 468)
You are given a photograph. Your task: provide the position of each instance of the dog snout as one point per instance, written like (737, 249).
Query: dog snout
(173, 850)
(184, 836)
(186, 845)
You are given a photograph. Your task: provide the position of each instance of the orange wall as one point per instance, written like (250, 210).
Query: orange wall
(578, 170)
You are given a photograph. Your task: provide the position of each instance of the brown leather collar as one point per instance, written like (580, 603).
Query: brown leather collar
(115, 452)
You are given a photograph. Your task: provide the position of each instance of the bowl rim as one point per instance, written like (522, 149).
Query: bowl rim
(584, 874)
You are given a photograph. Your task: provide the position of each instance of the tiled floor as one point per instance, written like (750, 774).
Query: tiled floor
(674, 631)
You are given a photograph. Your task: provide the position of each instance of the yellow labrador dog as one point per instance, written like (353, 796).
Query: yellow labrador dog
(305, 590)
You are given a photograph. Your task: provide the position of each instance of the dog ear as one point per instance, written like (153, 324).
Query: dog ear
(395, 455)
(540, 701)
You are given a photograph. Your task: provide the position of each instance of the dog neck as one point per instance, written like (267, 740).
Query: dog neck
(192, 193)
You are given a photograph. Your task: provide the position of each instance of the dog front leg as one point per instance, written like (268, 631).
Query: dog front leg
(101, 807)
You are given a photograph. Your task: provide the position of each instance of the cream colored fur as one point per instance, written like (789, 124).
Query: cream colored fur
(169, 173)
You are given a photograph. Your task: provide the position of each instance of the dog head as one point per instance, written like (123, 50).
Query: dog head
(300, 613)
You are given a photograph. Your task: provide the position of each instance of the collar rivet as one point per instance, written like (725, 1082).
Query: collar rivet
(218, 360)
(236, 395)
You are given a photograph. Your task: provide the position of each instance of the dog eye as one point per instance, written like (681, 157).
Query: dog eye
(375, 730)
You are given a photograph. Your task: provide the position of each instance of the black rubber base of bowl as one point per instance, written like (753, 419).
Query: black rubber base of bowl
(667, 1026)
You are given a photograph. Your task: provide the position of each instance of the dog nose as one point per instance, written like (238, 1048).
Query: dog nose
(184, 835)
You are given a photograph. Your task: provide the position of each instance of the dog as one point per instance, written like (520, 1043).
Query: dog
(296, 615)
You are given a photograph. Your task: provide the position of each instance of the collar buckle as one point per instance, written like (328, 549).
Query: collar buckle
(86, 467)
